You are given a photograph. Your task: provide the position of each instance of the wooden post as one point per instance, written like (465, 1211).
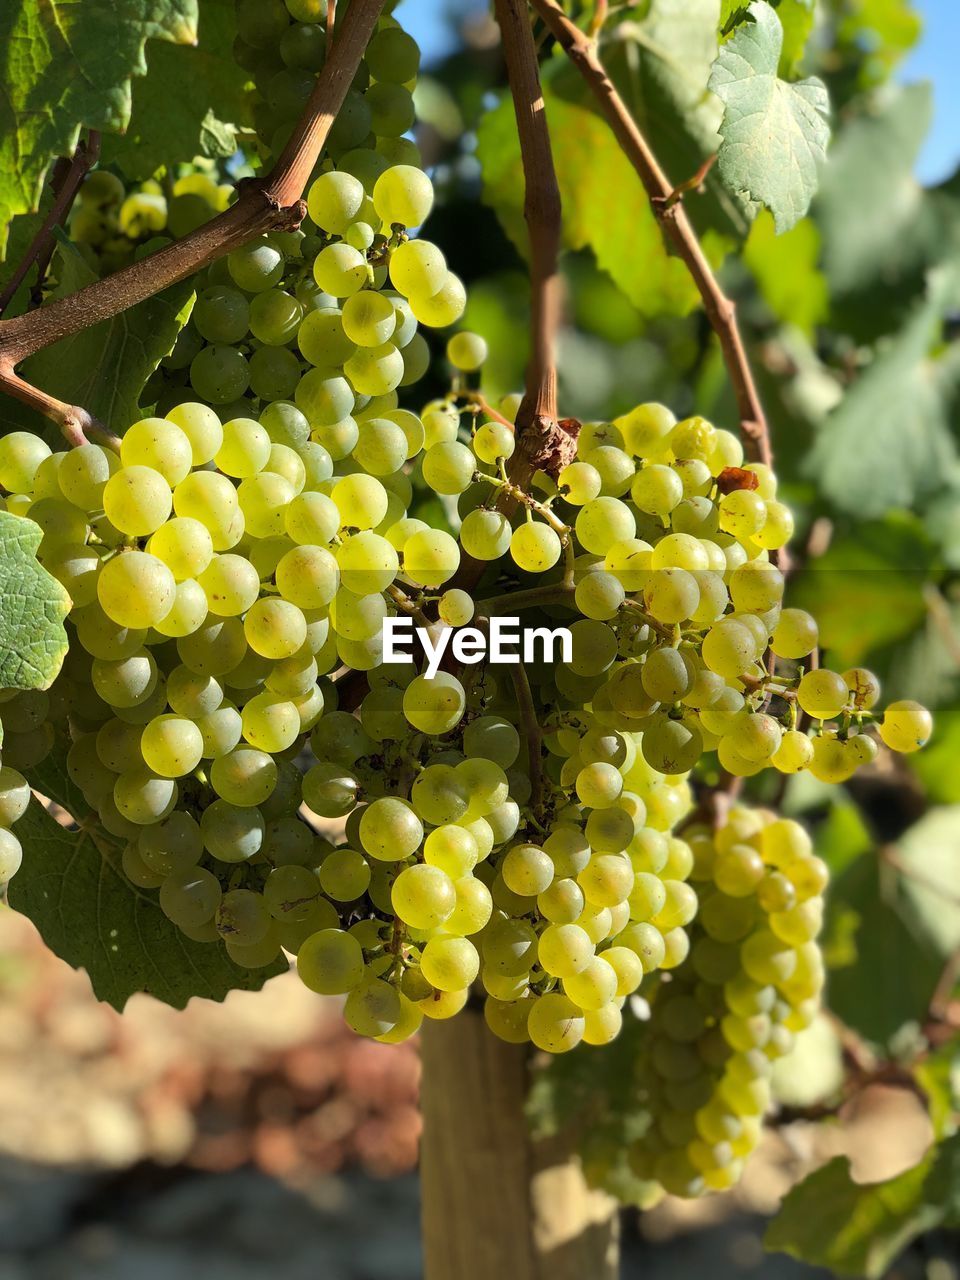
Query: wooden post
(495, 1204)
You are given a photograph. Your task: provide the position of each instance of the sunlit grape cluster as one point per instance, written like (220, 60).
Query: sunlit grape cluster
(511, 832)
(110, 224)
(752, 982)
(326, 316)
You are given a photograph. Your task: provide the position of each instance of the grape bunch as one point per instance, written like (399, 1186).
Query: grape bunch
(111, 225)
(328, 315)
(752, 982)
(515, 831)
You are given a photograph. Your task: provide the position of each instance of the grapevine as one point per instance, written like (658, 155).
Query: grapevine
(542, 839)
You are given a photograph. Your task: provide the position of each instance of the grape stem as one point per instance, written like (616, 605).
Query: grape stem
(264, 204)
(479, 403)
(403, 601)
(511, 489)
(542, 443)
(673, 219)
(558, 593)
(67, 178)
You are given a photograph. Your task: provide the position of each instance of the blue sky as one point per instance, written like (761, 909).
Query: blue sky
(934, 59)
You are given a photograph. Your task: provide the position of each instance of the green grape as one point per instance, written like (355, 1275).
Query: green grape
(367, 563)
(242, 917)
(443, 308)
(555, 1024)
(14, 796)
(275, 628)
(493, 440)
(486, 535)
(275, 317)
(231, 585)
(21, 453)
(345, 875)
(256, 266)
(390, 830)
(330, 789)
(312, 518)
(211, 499)
(403, 196)
(423, 896)
(142, 797)
(171, 846)
(82, 474)
(906, 726)
(599, 595)
(244, 776)
(245, 449)
(455, 608)
(340, 270)
(434, 706)
(219, 374)
(330, 962)
(450, 964)
(369, 318)
(221, 314)
(466, 351)
(418, 268)
(391, 109)
(430, 557)
(308, 577)
(125, 682)
(274, 373)
(231, 833)
(137, 500)
(822, 694)
(270, 722)
(372, 1008)
(171, 746)
(184, 545)
(535, 547)
(190, 897)
(795, 634)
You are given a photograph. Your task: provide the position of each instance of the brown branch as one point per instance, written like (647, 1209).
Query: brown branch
(67, 178)
(263, 205)
(673, 219)
(541, 443)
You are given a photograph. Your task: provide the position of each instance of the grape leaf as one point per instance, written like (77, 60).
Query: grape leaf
(33, 605)
(104, 368)
(67, 66)
(867, 588)
(583, 142)
(896, 405)
(931, 849)
(774, 135)
(936, 765)
(883, 963)
(71, 886)
(796, 18)
(871, 209)
(660, 63)
(187, 104)
(829, 1220)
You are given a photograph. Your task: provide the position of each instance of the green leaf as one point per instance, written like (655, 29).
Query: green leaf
(831, 1221)
(774, 135)
(871, 210)
(842, 837)
(72, 888)
(930, 856)
(888, 442)
(936, 765)
(583, 143)
(660, 64)
(785, 269)
(69, 66)
(883, 966)
(104, 368)
(938, 1075)
(866, 590)
(33, 605)
(796, 17)
(187, 104)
